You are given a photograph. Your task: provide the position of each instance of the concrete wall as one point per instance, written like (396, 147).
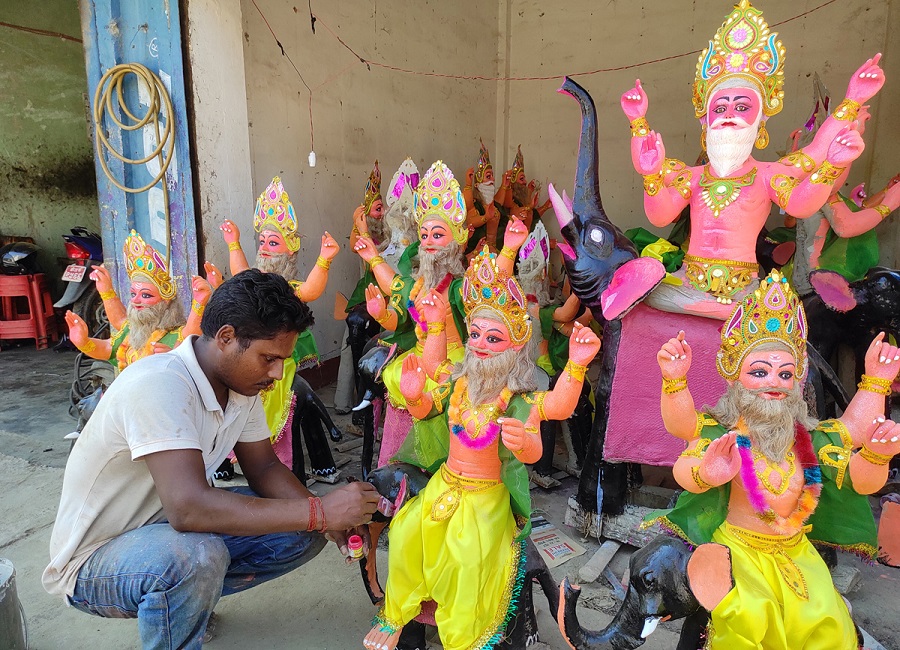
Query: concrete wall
(47, 180)
(540, 38)
(360, 114)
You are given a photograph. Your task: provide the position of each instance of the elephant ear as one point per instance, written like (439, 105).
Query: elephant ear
(833, 289)
(709, 574)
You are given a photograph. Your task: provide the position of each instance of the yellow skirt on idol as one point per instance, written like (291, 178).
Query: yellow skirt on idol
(391, 374)
(454, 544)
(783, 598)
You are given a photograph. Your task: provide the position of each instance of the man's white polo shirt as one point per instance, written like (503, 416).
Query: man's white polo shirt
(160, 403)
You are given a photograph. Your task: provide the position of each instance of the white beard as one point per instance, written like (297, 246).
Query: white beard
(487, 191)
(729, 148)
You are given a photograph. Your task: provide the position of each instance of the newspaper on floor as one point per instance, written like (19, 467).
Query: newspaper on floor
(554, 546)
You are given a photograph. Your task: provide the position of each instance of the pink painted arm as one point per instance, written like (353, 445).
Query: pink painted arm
(866, 406)
(869, 477)
(678, 411)
(720, 464)
(560, 402)
(201, 291)
(318, 276)
(847, 223)
(568, 311)
(115, 310)
(523, 439)
(412, 386)
(378, 309)
(434, 311)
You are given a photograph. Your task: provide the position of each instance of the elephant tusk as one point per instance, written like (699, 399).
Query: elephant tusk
(362, 405)
(650, 624)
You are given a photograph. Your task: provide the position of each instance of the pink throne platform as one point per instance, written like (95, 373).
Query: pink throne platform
(635, 431)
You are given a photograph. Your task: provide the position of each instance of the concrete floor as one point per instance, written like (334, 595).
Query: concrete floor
(320, 606)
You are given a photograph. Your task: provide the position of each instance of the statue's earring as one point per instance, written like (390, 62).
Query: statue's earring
(762, 138)
(703, 137)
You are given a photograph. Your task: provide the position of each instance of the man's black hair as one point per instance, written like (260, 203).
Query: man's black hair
(257, 305)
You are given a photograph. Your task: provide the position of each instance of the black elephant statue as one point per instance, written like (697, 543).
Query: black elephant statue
(311, 420)
(398, 482)
(668, 581)
(852, 313)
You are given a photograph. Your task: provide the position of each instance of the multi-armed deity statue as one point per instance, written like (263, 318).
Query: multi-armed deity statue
(737, 88)
(461, 541)
(154, 320)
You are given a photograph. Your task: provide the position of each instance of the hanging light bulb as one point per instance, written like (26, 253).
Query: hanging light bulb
(312, 158)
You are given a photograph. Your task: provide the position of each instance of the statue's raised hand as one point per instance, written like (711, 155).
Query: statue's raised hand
(651, 156)
(721, 461)
(882, 359)
(101, 277)
(78, 331)
(583, 344)
(886, 439)
(674, 357)
(412, 378)
(515, 235)
(846, 146)
(330, 247)
(359, 220)
(200, 290)
(434, 307)
(375, 304)
(365, 248)
(866, 81)
(230, 231)
(635, 102)
(470, 176)
(213, 274)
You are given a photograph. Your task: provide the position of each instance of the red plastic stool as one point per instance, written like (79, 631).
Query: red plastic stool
(26, 309)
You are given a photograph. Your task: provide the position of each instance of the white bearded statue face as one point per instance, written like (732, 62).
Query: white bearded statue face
(487, 191)
(733, 118)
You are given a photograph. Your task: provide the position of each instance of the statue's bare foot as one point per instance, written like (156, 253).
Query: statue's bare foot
(378, 640)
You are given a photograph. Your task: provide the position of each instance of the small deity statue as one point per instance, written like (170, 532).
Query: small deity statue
(765, 479)
(738, 86)
(154, 320)
(400, 217)
(461, 541)
(484, 217)
(441, 216)
(276, 225)
(520, 196)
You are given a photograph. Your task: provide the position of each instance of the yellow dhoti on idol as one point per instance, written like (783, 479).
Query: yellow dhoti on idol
(783, 597)
(459, 549)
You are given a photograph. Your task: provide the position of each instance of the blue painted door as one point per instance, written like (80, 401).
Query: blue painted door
(147, 32)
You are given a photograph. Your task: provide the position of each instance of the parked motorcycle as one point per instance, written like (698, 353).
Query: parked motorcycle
(84, 250)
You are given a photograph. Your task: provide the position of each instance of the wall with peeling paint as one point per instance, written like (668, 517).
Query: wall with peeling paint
(539, 38)
(361, 114)
(47, 182)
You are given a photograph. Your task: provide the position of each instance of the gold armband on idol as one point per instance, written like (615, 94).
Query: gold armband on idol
(89, 347)
(875, 458)
(576, 371)
(197, 308)
(826, 174)
(640, 127)
(875, 385)
(322, 263)
(695, 474)
(508, 253)
(234, 245)
(672, 386)
(375, 261)
(384, 318)
(107, 295)
(847, 110)
(415, 402)
(436, 328)
(653, 183)
(881, 209)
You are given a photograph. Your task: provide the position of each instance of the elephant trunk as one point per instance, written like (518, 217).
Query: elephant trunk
(626, 631)
(587, 177)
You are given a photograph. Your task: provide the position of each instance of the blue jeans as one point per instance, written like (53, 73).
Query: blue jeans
(171, 581)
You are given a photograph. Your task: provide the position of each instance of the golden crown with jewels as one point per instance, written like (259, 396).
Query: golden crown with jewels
(373, 188)
(141, 259)
(274, 211)
(771, 314)
(439, 197)
(486, 285)
(484, 163)
(743, 48)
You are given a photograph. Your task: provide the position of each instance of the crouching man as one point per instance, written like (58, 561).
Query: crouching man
(141, 532)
